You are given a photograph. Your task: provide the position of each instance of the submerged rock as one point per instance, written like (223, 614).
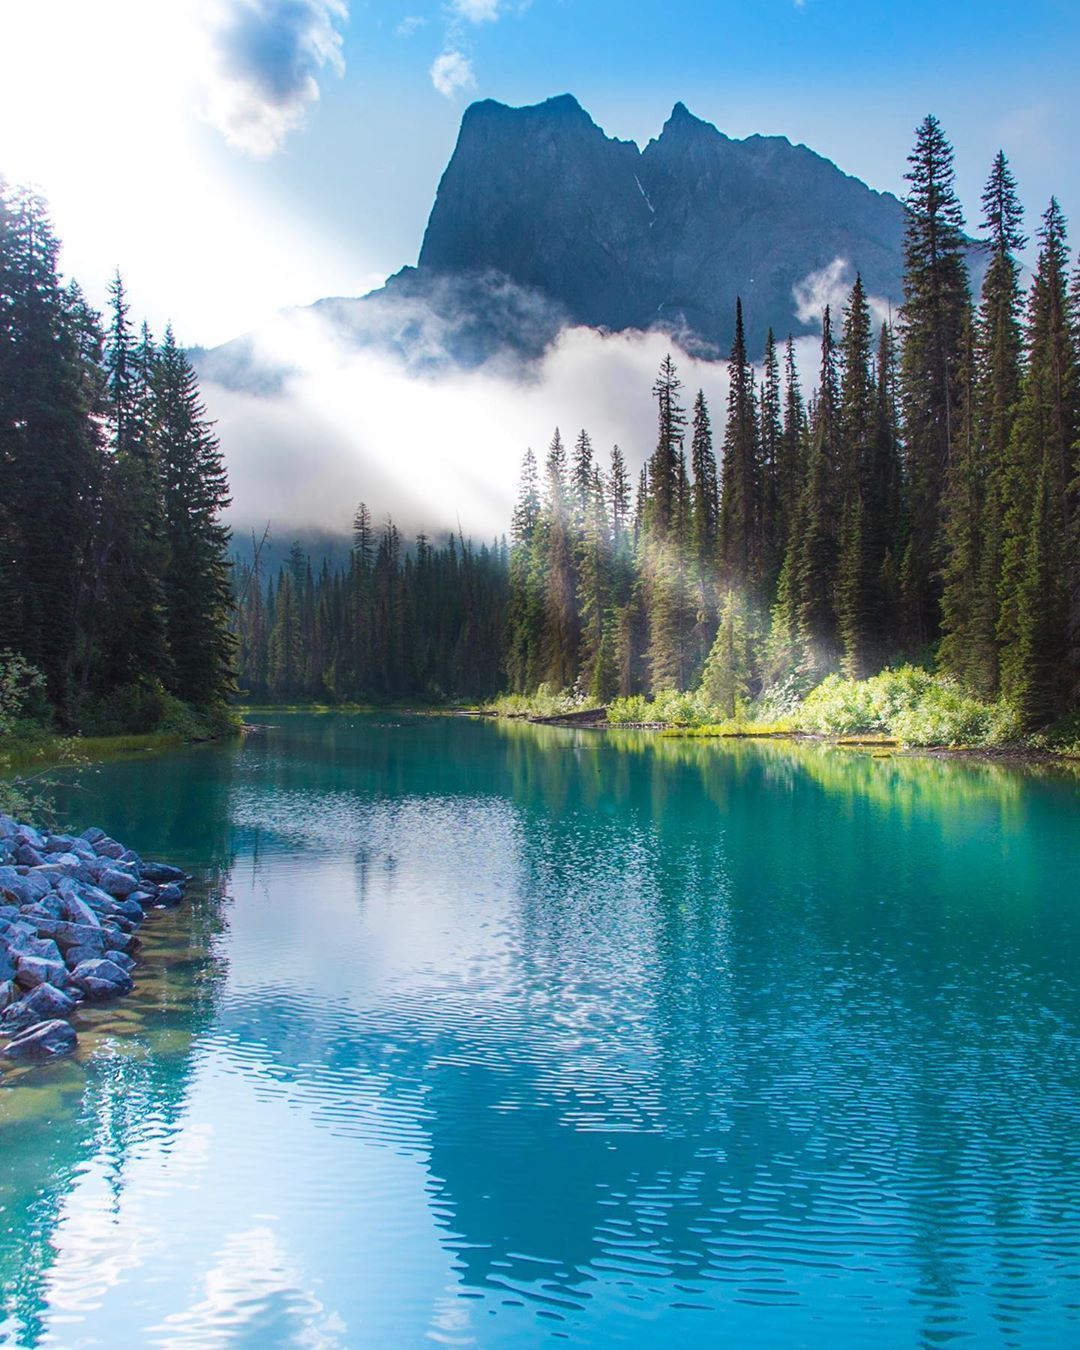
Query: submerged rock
(41, 1043)
(162, 872)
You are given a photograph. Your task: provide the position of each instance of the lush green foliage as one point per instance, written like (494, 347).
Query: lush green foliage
(908, 704)
(925, 506)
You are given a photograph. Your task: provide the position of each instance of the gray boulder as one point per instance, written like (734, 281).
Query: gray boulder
(9, 992)
(48, 907)
(42, 1043)
(27, 855)
(66, 935)
(29, 944)
(77, 910)
(75, 956)
(121, 959)
(35, 970)
(40, 1005)
(169, 895)
(108, 848)
(118, 884)
(68, 843)
(100, 979)
(7, 964)
(93, 835)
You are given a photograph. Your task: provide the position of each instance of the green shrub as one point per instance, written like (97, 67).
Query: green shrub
(908, 703)
(545, 702)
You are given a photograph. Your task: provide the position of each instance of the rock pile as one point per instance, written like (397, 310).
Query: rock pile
(70, 910)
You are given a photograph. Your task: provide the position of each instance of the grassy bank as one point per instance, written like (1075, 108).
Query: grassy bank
(907, 706)
(32, 752)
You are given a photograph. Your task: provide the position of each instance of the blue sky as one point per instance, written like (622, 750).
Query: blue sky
(278, 150)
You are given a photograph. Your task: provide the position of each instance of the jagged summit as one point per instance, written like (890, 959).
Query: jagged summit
(541, 219)
(625, 238)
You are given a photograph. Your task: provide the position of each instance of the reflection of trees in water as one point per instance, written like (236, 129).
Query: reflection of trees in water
(769, 1006)
(61, 1119)
(751, 1029)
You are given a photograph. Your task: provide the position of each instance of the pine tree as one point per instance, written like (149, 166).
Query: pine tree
(936, 301)
(197, 588)
(1033, 667)
(662, 468)
(813, 549)
(561, 625)
(525, 609)
(618, 492)
(772, 464)
(128, 613)
(50, 450)
(1041, 446)
(595, 596)
(726, 679)
(860, 550)
(704, 522)
(976, 485)
(740, 477)
(581, 476)
(705, 492)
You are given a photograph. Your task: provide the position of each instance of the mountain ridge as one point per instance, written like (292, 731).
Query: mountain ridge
(541, 220)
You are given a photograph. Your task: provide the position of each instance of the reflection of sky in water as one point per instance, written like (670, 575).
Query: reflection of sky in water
(514, 1035)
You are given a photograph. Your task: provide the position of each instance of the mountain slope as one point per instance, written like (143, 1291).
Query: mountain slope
(622, 238)
(541, 219)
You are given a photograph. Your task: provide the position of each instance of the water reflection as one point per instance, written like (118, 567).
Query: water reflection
(515, 1032)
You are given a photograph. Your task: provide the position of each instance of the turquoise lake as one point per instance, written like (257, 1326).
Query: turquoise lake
(477, 1033)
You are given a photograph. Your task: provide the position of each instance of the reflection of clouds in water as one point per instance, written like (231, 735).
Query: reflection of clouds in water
(253, 1289)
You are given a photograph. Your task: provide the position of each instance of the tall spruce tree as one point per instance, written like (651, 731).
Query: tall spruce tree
(936, 301)
(50, 450)
(860, 544)
(562, 633)
(197, 586)
(740, 477)
(129, 611)
(814, 538)
(525, 611)
(976, 484)
(595, 586)
(662, 471)
(772, 464)
(1038, 477)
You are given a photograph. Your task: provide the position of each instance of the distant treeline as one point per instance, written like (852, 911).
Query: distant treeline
(424, 623)
(924, 504)
(114, 574)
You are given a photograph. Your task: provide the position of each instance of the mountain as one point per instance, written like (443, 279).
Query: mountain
(669, 235)
(541, 220)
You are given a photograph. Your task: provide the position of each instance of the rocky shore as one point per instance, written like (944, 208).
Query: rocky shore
(70, 910)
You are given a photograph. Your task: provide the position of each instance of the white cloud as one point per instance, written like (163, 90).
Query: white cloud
(452, 73)
(831, 285)
(409, 25)
(264, 60)
(351, 424)
(477, 11)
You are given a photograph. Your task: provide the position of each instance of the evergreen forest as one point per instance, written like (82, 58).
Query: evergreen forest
(915, 500)
(116, 602)
(921, 505)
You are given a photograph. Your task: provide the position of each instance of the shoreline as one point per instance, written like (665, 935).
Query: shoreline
(887, 746)
(73, 907)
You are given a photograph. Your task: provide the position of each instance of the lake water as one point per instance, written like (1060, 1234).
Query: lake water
(486, 1034)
